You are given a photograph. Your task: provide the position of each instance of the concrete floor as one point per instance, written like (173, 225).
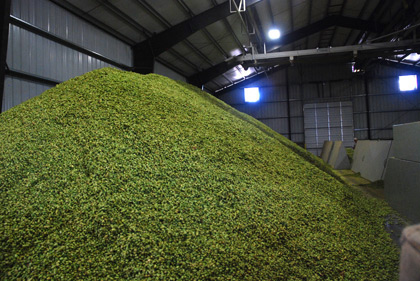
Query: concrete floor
(355, 180)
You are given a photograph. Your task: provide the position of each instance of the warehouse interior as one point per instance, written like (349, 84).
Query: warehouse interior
(202, 42)
(316, 72)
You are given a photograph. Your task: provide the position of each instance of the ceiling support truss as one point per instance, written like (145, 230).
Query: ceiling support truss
(203, 77)
(146, 51)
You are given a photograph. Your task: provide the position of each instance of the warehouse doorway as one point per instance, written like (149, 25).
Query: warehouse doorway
(328, 121)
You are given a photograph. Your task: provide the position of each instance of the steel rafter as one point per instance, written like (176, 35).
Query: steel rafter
(207, 34)
(165, 23)
(402, 17)
(203, 77)
(325, 15)
(250, 80)
(376, 15)
(255, 21)
(335, 28)
(358, 16)
(325, 23)
(397, 65)
(270, 11)
(361, 50)
(81, 14)
(124, 17)
(309, 21)
(161, 42)
(231, 31)
(405, 14)
(292, 28)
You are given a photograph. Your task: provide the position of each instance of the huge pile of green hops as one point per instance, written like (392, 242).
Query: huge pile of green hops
(115, 175)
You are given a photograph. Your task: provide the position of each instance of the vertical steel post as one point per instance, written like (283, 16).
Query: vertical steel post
(366, 82)
(4, 36)
(288, 104)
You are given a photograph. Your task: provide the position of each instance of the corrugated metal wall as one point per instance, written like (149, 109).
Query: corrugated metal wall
(331, 83)
(30, 53)
(387, 105)
(19, 90)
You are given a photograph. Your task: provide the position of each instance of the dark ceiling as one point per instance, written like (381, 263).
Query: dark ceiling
(200, 39)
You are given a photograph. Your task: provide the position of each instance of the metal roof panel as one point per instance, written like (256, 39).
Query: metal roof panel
(135, 11)
(117, 24)
(198, 7)
(84, 5)
(170, 10)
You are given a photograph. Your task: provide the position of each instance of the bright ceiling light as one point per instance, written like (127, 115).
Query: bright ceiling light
(252, 94)
(408, 83)
(274, 33)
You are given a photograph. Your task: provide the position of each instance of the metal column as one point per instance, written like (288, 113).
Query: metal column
(366, 82)
(4, 36)
(288, 104)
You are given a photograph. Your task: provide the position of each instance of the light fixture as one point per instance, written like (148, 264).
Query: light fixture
(408, 83)
(252, 94)
(274, 34)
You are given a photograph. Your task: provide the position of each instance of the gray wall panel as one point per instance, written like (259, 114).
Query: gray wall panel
(314, 73)
(272, 110)
(233, 97)
(296, 108)
(359, 104)
(50, 17)
(295, 92)
(17, 91)
(33, 54)
(36, 55)
(310, 91)
(383, 85)
(298, 138)
(278, 125)
(270, 94)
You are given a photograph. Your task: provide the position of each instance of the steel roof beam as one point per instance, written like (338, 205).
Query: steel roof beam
(147, 63)
(232, 32)
(165, 23)
(255, 21)
(327, 22)
(397, 65)
(360, 49)
(163, 41)
(335, 28)
(214, 71)
(80, 13)
(376, 15)
(359, 16)
(309, 22)
(326, 14)
(403, 17)
(249, 80)
(206, 33)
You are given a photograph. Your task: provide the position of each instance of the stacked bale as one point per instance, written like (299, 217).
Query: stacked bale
(115, 175)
